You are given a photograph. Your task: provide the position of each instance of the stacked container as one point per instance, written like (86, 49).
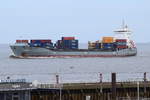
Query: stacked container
(94, 45)
(58, 44)
(108, 46)
(108, 43)
(70, 44)
(68, 38)
(91, 45)
(121, 43)
(41, 43)
(98, 45)
(21, 41)
(108, 39)
(67, 43)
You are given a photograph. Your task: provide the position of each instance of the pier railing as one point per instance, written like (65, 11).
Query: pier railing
(77, 77)
(100, 90)
(131, 98)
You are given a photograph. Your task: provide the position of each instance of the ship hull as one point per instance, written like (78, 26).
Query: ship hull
(25, 51)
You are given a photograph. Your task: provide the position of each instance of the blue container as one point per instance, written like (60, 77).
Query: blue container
(35, 45)
(70, 44)
(74, 47)
(108, 46)
(46, 44)
(35, 41)
(121, 43)
(39, 43)
(98, 45)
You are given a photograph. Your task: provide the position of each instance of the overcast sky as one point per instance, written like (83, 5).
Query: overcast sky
(85, 19)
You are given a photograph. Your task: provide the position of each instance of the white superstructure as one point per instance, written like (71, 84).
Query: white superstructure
(125, 33)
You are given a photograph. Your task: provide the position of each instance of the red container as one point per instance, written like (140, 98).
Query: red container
(121, 40)
(25, 41)
(22, 41)
(122, 46)
(40, 41)
(45, 41)
(18, 41)
(68, 38)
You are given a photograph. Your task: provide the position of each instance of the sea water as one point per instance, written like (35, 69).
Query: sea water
(70, 70)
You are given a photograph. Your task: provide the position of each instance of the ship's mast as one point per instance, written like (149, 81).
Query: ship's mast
(123, 23)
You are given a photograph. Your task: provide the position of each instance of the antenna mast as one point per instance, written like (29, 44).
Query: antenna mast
(123, 24)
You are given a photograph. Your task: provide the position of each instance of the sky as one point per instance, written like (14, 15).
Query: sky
(87, 20)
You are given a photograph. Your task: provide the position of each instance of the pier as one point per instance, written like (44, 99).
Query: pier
(21, 90)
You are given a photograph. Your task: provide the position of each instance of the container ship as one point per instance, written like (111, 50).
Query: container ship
(119, 45)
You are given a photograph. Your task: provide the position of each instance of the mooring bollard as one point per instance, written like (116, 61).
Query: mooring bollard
(113, 82)
(101, 77)
(101, 87)
(57, 79)
(145, 81)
